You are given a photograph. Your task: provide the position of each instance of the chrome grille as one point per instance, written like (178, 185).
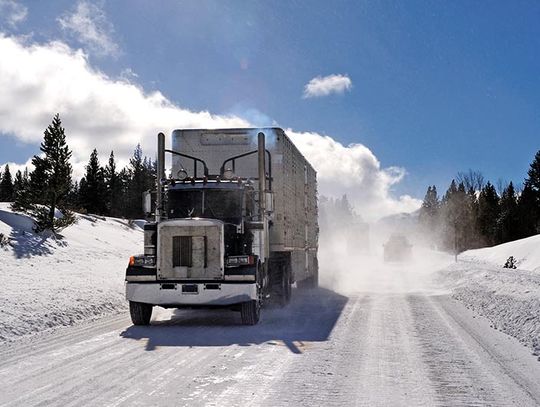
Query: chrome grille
(182, 251)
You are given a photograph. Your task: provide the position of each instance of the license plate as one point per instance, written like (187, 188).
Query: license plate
(190, 289)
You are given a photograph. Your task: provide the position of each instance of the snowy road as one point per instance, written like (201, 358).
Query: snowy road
(324, 349)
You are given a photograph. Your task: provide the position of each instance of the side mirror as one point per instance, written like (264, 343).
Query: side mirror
(147, 202)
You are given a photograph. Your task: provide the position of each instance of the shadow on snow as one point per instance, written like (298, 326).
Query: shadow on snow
(24, 241)
(310, 317)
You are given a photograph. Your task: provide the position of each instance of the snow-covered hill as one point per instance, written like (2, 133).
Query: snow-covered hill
(525, 251)
(47, 282)
(509, 298)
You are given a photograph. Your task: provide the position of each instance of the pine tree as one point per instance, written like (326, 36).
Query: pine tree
(49, 182)
(114, 187)
(450, 216)
(525, 207)
(6, 186)
(92, 188)
(73, 198)
(17, 182)
(508, 221)
(429, 214)
(474, 239)
(488, 213)
(124, 177)
(430, 205)
(465, 201)
(534, 173)
(38, 181)
(142, 175)
(22, 196)
(134, 187)
(533, 181)
(457, 218)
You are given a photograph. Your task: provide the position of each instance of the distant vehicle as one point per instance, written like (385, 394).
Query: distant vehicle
(234, 227)
(397, 248)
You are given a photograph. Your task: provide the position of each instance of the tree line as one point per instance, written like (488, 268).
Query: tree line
(474, 213)
(50, 195)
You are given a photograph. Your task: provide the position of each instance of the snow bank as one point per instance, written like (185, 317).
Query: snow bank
(48, 282)
(509, 298)
(525, 251)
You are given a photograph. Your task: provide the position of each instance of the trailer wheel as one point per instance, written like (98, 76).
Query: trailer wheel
(280, 283)
(250, 312)
(140, 313)
(285, 287)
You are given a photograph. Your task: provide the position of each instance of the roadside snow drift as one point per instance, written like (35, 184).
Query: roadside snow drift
(525, 251)
(509, 298)
(48, 281)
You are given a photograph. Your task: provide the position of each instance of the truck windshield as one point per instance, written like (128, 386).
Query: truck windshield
(225, 205)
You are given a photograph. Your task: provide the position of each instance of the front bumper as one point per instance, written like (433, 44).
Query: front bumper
(171, 294)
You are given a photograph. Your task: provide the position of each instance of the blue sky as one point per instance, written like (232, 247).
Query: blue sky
(437, 87)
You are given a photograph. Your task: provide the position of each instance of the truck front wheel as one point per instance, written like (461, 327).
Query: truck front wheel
(250, 312)
(140, 313)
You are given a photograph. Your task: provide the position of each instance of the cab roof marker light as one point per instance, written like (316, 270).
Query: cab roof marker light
(228, 174)
(182, 174)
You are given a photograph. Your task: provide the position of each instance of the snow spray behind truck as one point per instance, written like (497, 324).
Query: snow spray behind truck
(235, 225)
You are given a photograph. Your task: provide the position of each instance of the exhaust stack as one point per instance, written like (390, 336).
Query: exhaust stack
(262, 174)
(160, 175)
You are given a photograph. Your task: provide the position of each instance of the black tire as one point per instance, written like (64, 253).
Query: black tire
(285, 287)
(280, 283)
(140, 313)
(250, 312)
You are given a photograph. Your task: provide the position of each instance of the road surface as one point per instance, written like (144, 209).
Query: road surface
(324, 349)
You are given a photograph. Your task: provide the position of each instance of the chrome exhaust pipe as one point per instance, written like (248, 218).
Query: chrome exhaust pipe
(160, 176)
(262, 174)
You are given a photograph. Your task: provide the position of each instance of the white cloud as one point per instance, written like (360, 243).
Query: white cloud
(323, 86)
(12, 12)
(38, 81)
(89, 25)
(14, 167)
(354, 170)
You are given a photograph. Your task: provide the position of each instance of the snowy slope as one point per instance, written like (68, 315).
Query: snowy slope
(525, 251)
(509, 298)
(47, 282)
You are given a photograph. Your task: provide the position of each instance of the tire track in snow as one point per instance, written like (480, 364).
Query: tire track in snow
(324, 373)
(463, 372)
(392, 372)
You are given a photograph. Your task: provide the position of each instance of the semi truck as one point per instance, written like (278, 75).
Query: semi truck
(235, 224)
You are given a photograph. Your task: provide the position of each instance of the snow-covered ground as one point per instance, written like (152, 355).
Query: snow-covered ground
(526, 252)
(509, 298)
(47, 282)
(383, 348)
(378, 334)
